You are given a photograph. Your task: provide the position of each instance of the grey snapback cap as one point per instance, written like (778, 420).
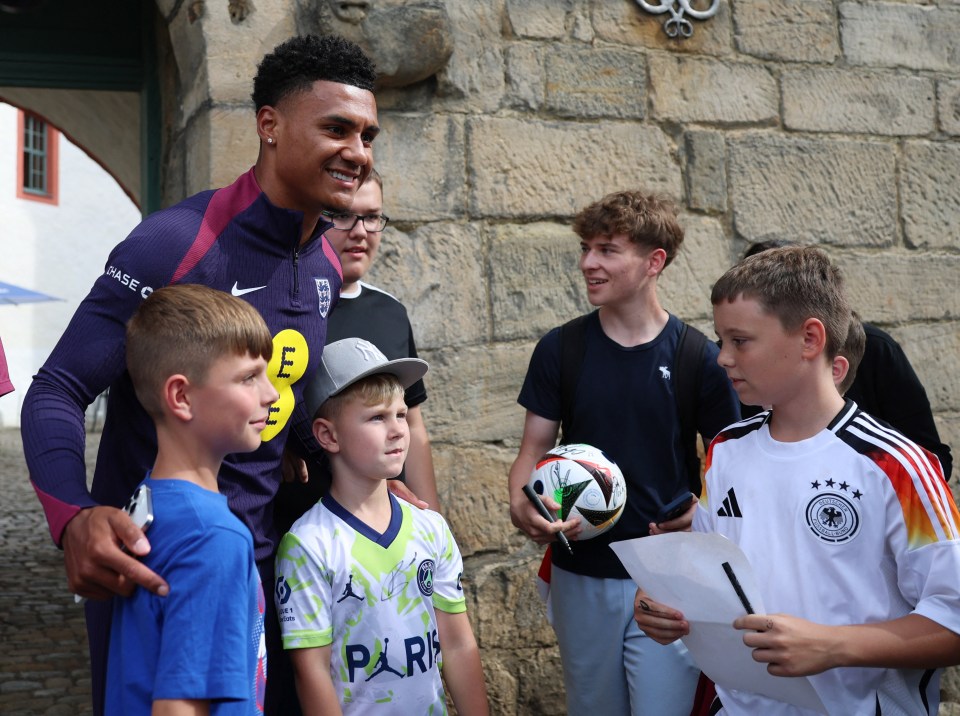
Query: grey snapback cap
(346, 361)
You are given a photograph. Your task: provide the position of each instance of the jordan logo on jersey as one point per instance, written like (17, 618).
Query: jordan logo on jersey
(348, 591)
(730, 507)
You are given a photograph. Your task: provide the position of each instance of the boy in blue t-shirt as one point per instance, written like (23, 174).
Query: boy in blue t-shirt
(368, 587)
(197, 358)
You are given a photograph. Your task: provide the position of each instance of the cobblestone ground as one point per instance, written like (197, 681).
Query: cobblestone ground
(44, 670)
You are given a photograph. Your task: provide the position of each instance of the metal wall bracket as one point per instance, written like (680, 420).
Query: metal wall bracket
(679, 26)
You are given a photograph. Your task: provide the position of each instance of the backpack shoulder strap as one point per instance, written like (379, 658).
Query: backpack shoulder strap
(687, 372)
(572, 347)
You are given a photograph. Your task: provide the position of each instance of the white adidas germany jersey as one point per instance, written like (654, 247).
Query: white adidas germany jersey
(372, 597)
(855, 525)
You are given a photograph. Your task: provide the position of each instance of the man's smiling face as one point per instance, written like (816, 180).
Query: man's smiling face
(324, 143)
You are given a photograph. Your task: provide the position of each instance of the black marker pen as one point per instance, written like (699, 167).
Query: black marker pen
(546, 514)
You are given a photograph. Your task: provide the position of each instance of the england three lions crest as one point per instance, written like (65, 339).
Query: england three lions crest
(325, 295)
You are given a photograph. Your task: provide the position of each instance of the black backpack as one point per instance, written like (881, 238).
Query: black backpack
(686, 375)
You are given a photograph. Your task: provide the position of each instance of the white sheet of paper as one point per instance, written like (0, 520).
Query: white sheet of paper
(685, 571)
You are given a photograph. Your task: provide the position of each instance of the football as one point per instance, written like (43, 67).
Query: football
(585, 483)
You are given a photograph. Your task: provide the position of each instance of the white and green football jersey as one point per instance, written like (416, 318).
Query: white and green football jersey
(372, 597)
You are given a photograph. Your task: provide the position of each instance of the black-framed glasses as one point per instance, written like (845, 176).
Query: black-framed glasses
(345, 221)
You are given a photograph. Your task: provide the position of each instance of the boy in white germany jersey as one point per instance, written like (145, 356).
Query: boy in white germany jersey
(850, 527)
(368, 587)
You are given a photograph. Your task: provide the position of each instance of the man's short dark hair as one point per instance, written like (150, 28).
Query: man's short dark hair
(296, 64)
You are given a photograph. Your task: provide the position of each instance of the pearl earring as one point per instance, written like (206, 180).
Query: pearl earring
(269, 140)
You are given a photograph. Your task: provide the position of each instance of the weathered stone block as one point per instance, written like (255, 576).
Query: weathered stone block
(510, 589)
(931, 206)
(833, 100)
(697, 90)
(502, 689)
(628, 24)
(233, 143)
(189, 48)
(685, 284)
(525, 76)
(473, 392)
(518, 647)
(414, 189)
(213, 65)
(834, 192)
(706, 171)
(539, 19)
(887, 34)
(926, 344)
(173, 174)
(581, 26)
(595, 82)
(787, 30)
(947, 708)
(473, 77)
(901, 286)
(197, 159)
(437, 272)
(535, 280)
(539, 169)
(948, 106)
(231, 64)
(472, 486)
(538, 675)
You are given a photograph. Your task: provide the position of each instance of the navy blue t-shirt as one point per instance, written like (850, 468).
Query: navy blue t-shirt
(624, 404)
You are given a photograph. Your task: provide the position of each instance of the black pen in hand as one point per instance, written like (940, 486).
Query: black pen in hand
(546, 514)
(737, 588)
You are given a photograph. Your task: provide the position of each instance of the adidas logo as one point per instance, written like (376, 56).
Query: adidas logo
(730, 508)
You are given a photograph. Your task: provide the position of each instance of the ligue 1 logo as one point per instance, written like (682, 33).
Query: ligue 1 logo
(283, 590)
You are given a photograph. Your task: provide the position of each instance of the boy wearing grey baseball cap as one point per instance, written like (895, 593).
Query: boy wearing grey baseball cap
(368, 587)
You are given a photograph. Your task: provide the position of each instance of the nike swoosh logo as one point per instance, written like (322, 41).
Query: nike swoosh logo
(237, 291)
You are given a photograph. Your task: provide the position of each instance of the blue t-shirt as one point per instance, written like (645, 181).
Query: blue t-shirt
(624, 404)
(204, 640)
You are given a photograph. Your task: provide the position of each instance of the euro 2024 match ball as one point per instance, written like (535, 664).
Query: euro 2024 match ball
(585, 483)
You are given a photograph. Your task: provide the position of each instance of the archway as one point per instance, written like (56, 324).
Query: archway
(94, 75)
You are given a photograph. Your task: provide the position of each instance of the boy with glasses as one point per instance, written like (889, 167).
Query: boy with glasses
(365, 311)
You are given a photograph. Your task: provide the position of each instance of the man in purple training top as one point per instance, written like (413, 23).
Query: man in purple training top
(260, 238)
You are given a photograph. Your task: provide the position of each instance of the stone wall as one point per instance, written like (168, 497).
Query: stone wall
(822, 121)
